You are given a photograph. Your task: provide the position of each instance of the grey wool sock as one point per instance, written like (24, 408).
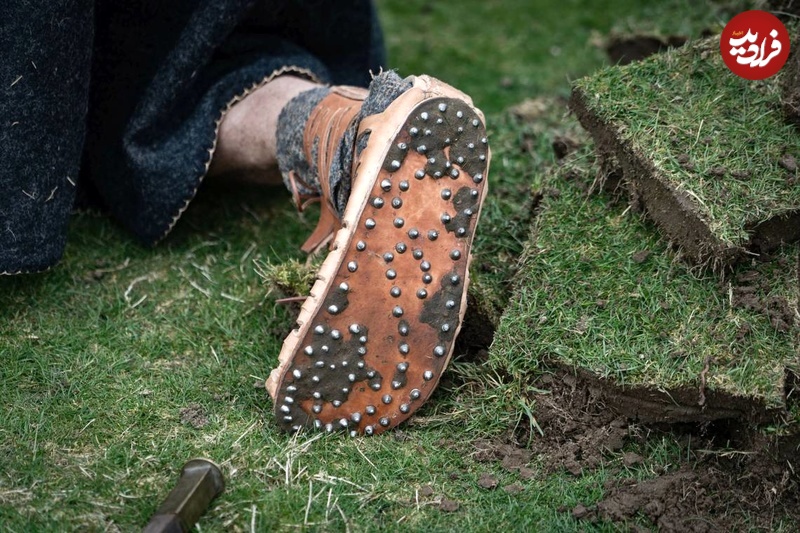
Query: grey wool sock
(291, 125)
(383, 90)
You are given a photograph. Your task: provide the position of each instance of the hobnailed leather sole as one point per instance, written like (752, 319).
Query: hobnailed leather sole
(379, 327)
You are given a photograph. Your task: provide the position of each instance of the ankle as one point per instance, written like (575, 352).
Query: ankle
(247, 135)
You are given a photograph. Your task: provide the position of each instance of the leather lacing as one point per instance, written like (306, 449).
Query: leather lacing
(325, 128)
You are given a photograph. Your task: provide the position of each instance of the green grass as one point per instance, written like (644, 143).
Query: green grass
(686, 103)
(101, 354)
(503, 52)
(583, 301)
(96, 373)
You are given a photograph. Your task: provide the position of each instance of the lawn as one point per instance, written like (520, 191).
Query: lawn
(704, 134)
(122, 363)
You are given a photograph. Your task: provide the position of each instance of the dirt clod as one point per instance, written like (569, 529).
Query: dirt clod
(685, 161)
(487, 481)
(641, 256)
(515, 458)
(531, 109)
(526, 473)
(780, 313)
(511, 457)
(740, 174)
(580, 511)
(743, 331)
(631, 459)
(564, 145)
(788, 162)
(448, 505)
(514, 488)
(582, 325)
(426, 491)
(194, 415)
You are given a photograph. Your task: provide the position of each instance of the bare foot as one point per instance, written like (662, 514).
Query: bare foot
(247, 138)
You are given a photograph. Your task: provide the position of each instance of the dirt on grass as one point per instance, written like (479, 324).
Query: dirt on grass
(710, 488)
(715, 494)
(748, 292)
(194, 415)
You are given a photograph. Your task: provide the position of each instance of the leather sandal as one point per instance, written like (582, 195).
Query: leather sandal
(378, 329)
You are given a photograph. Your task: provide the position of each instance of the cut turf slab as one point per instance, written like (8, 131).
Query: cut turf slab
(601, 294)
(791, 90)
(707, 154)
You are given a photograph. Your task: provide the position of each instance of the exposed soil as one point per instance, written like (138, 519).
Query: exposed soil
(563, 145)
(655, 405)
(448, 506)
(770, 234)
(710, 488)
(487, 481)
(715, 494)
(194, 415)
(641, 256)
(748, 292)
(623, 49)
(478, 327)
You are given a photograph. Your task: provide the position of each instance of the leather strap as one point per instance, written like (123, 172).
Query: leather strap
(324, 130)
(327, 226)
(301, 201)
